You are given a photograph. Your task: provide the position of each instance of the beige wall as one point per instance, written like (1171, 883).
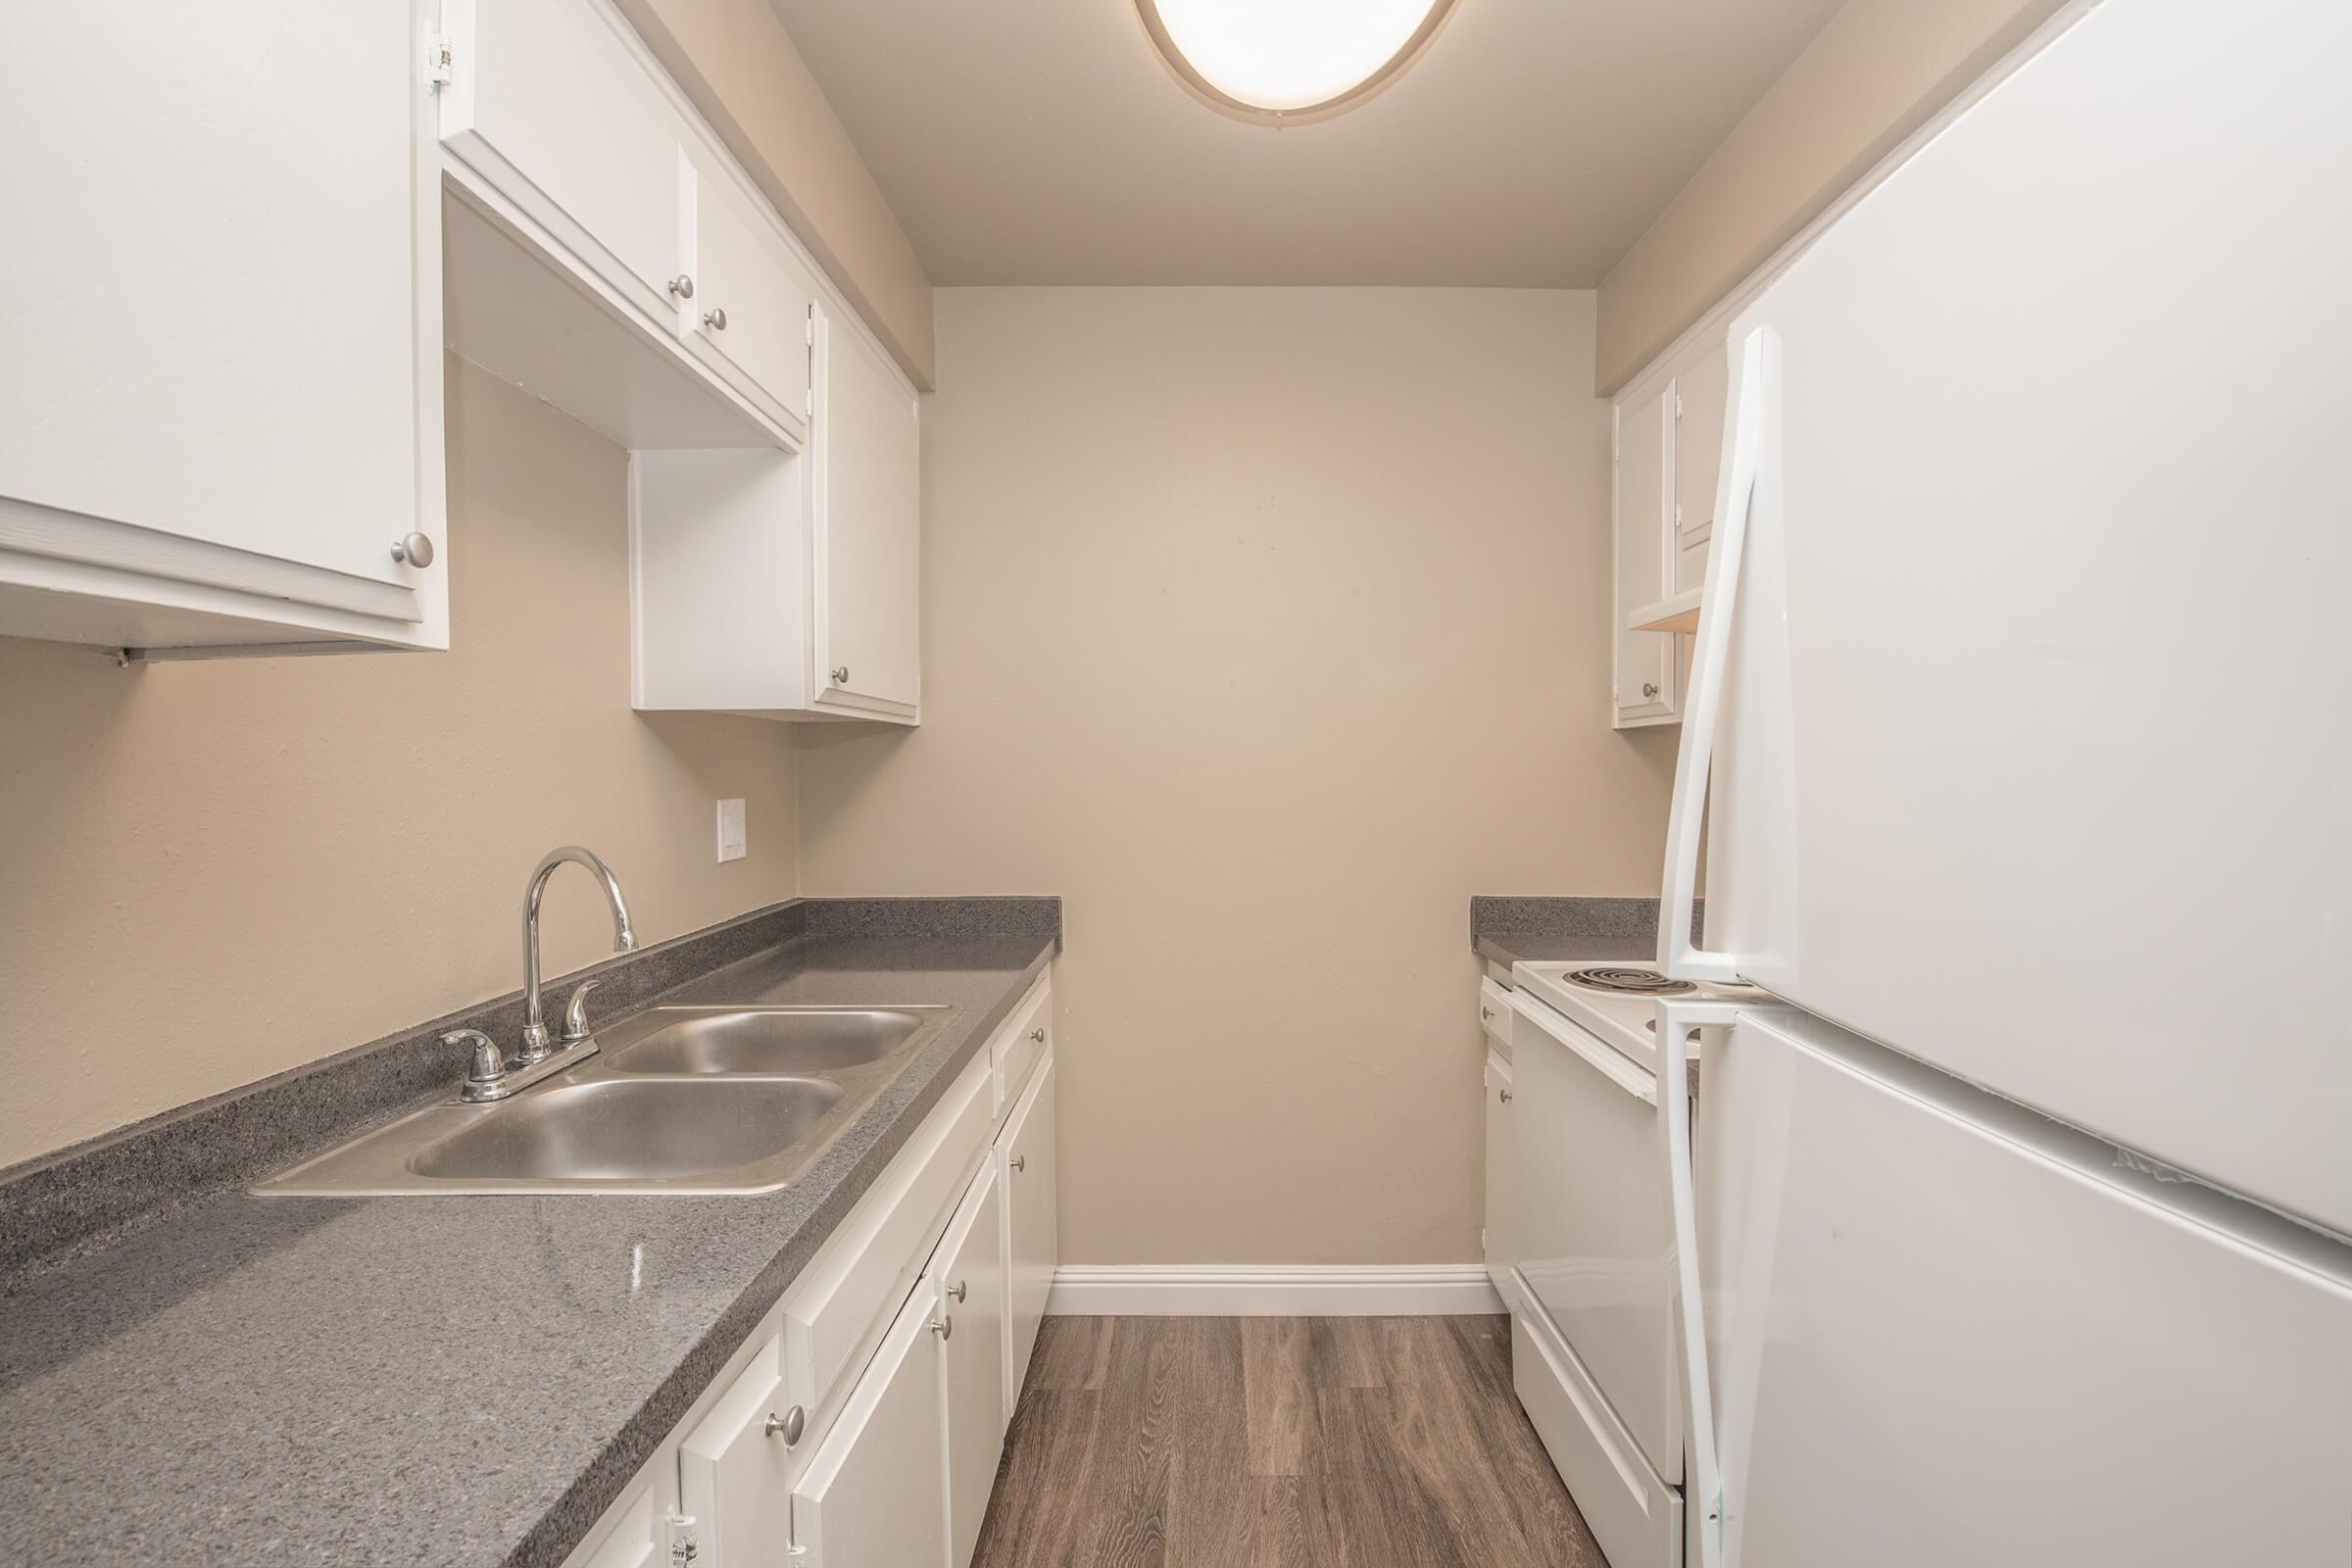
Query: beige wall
(1264, 626)
(739, 66)
(210, 872)
(1877, 72)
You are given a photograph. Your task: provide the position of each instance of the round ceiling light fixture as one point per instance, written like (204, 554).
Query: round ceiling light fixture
(1288, 62)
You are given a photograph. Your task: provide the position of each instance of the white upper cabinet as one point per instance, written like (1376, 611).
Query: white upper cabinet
(749, 310)
(1645, 664)
(608, 254)
(867, 519)
(1669, 457)
(543, 97)
(221, 324)
(1700, 390)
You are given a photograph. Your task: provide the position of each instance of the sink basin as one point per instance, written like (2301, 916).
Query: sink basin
(760, 1040)
(675, 1100)
(617, 1131)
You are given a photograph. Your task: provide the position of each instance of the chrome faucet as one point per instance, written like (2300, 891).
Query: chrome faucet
(534, 1022)
(491, 1076)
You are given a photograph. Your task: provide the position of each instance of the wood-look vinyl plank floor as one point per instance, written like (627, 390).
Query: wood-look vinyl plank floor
(1277, 1443)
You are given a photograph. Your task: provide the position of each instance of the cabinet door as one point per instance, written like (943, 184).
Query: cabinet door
(967, 1283)
(866, 514)
(1501, 1254)
(736, 1475)
(1032, 1226)
(874, 1495)
(750, 313)
(1701, 389)
(1645, 660)
(220, 322)
(640, 1530)
(547, 104)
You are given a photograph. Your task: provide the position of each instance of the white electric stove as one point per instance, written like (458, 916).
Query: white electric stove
(1615, 998)
(1591, 1230)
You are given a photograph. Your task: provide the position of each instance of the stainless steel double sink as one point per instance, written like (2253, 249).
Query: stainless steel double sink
(676, 1099)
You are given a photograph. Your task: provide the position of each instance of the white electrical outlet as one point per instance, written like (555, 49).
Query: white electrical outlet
(732, 845)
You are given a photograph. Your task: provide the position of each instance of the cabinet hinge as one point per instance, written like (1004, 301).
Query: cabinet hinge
(1677, 406)
(683, 1548)
(440, 62)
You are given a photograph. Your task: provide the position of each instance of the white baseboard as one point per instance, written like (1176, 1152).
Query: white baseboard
(1307, 1289)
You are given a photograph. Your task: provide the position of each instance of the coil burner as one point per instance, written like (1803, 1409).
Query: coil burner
(1629, 982)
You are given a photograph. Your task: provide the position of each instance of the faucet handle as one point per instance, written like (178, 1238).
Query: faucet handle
(575, 1013)
(489, 1063)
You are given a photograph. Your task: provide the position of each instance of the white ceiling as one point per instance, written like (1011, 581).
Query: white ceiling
(1039, 142)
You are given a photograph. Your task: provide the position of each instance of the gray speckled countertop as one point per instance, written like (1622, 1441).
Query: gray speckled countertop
(1506, 930)
(419, 1380)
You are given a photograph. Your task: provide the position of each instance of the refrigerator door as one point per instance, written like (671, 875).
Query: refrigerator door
(2051, 442)
(1945, 1333)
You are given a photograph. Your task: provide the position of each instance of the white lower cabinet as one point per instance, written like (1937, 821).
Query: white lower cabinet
(735, 1469)
(861, 1422)
(967, 1283)
(871, 1494)
(1032, 1224)
(1501, 1253)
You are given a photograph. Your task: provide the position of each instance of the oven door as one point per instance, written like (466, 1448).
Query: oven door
(1593, 1227)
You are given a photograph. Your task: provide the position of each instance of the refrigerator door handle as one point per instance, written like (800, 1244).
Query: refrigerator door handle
(1752, 412)
(1703, 1486)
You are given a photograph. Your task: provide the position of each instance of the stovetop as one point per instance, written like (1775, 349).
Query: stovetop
(1615, 998)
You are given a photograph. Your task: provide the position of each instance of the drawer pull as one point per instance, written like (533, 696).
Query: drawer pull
(944, 1326)
(792, 1423)
(1486, 1011)
(959, 1290)
(1038, 1035)
(1018, 1162)
(1506, 1096)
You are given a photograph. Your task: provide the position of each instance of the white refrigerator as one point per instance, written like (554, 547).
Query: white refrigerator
(2014, 1230)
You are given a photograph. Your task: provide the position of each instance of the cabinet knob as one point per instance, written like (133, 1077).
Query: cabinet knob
(958, 1290)
(1038, 1035)
(841, 674)
(682, 286)
(715, 318)
(413, 550)
(1650, 689)
(944, 1326)
(1486, 1012)
(1018, 1162)
(792, 1423)
(1506, 1094)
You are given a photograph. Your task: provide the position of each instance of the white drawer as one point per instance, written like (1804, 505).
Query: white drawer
(857, 1281)
(1634, 1515)
(1023, 1038)
(1494, 1015)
